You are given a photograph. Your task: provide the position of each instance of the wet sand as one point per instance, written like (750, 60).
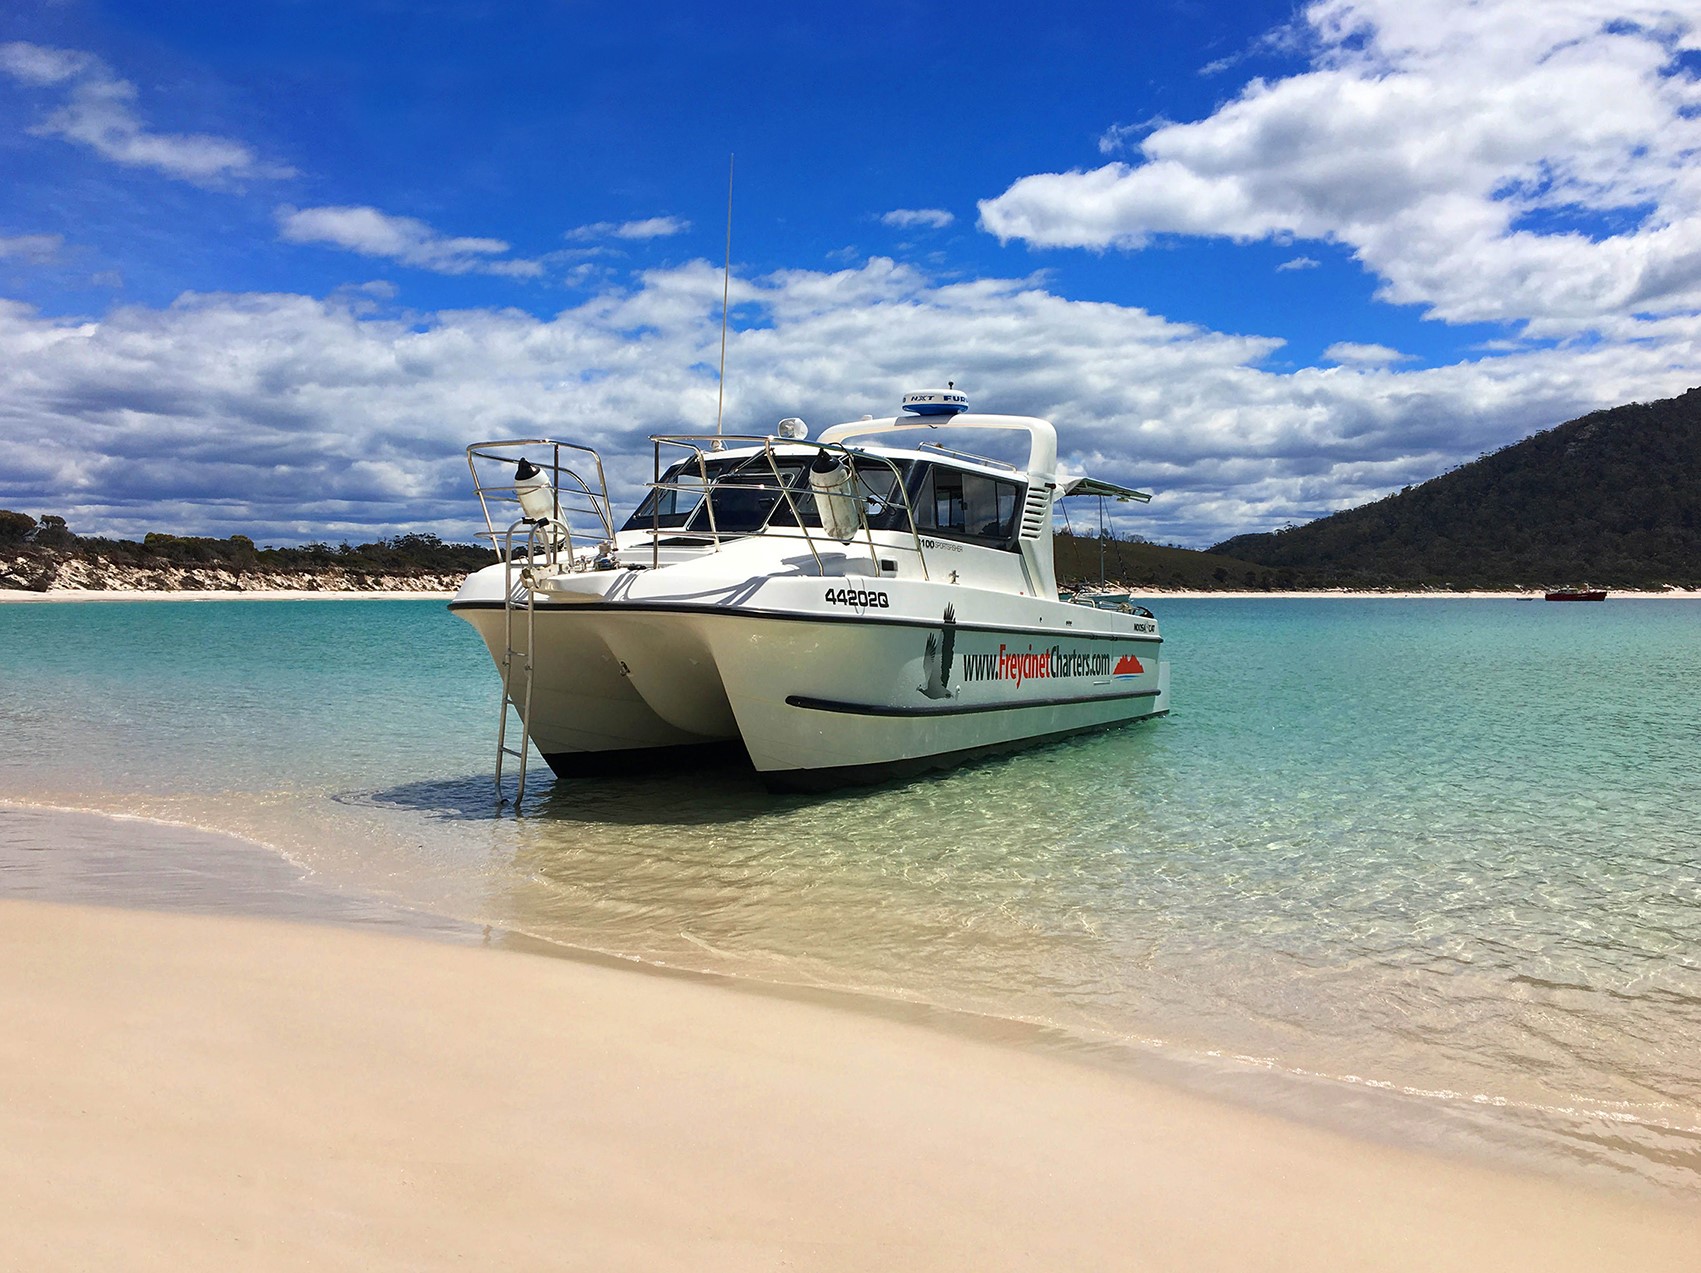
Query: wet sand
(81, 857)
(193, 1091)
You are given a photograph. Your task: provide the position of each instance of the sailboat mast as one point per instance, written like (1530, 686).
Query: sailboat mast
(1101, 541)
(726, 284)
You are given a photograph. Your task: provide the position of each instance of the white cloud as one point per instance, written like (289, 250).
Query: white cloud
(1493, 161)
(293, 417)
(34, 248)
(405, 239)
(917, 218)
(646, 228)
(1121, 137)
(39, 66)
(99, 112)
(1346, 351)
(651, 228)
(1299, 263)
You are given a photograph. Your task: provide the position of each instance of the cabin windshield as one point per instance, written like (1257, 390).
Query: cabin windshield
(741, 495)
(745, 499)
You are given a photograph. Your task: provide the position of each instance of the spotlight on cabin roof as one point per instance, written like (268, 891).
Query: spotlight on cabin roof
(937, 401)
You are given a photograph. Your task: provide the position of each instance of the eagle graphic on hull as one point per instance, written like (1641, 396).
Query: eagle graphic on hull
(936, 659)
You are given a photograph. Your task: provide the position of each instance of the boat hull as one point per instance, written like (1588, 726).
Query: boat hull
(902, 749)
(825, 694)
(581, 701)
(829, 704)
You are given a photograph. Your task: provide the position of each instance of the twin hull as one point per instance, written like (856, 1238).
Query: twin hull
(824, 681)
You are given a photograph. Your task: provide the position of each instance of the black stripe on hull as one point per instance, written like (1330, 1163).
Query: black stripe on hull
(955, 709)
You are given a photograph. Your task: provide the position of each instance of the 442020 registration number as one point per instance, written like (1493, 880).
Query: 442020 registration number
(861, 598)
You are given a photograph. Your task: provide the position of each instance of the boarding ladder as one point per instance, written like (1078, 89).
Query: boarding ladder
(530, 546)
(519, 593)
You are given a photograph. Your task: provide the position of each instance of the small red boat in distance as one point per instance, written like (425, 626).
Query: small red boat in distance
(1577, 594)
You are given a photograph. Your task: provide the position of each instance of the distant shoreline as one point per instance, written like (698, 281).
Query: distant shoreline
(258, 594)
(1479, 594)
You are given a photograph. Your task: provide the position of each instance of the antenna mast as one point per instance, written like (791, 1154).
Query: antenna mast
(726, 283)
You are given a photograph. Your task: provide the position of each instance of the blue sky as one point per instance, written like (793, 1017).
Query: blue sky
(267, 268)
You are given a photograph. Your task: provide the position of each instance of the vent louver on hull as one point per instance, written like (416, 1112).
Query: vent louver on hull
(1036, 510)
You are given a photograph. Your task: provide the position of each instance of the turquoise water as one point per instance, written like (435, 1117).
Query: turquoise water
(1428, 870)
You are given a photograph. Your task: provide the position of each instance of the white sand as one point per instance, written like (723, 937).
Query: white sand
(193, 1093)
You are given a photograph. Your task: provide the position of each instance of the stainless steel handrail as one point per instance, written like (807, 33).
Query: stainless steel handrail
(705, 446)
(573, 497)
(971, 456)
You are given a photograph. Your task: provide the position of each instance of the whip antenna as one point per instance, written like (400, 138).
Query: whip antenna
(726, 283)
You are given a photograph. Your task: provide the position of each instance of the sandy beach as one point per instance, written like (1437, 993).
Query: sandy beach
(215, 1092)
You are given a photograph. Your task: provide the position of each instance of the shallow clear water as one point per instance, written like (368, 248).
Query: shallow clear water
(1427, 869)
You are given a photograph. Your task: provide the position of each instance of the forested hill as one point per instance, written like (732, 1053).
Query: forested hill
(1611, 499)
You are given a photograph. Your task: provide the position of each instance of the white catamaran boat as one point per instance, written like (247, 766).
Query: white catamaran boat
(846, 610)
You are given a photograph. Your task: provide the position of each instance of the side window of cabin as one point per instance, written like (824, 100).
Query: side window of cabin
(968, 506)
(948, 500)
(879, 486)
(921, 496)
(989, 507)
(876, 486)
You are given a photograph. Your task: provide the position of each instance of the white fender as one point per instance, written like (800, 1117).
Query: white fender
(834, 485)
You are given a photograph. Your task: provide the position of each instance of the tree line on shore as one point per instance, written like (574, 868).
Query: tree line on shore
(403, 556)
(1131, 562)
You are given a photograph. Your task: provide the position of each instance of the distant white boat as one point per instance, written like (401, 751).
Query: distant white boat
(1102, 598)
(846, 610)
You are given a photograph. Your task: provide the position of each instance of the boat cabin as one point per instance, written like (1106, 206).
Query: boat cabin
(921, 510)
(711, 497)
